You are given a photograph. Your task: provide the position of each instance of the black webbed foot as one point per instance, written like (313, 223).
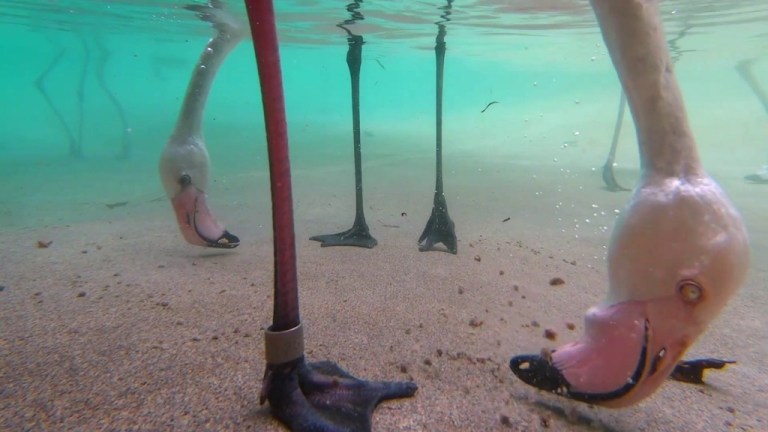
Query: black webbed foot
(321, 397)
(439, 229)
(610, 179)
(692, 371)
(358, 236)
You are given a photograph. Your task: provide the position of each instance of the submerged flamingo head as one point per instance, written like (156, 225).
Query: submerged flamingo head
(198, 225)
(677, 255)
(184, 173)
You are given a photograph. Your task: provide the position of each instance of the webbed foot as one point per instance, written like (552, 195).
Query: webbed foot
(358, 236)
(692, 371)
(322, 397)
(440, 228)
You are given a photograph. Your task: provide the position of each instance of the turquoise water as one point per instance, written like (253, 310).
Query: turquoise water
(151, 47)
(544, 62)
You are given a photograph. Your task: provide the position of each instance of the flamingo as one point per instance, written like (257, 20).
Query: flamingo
(184, 163)
(679, 252)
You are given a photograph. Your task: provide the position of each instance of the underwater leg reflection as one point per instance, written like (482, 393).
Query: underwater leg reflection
(304, 396)
(74, 145)
(609, 178)
(184, 163)
(678, 253)
(744, 68)
(126, 146)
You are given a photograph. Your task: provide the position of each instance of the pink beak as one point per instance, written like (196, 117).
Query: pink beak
(198, 225)
(627, 352)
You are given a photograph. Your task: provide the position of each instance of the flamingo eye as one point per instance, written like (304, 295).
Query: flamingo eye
(185, 180)
(690, 291)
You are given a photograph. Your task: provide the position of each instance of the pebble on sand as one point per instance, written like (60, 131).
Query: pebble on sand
(556, 281)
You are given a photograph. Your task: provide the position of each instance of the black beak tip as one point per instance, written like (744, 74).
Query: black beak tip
(538, 372)
(226, 241)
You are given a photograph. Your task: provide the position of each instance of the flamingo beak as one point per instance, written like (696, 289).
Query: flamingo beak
(197, 223)
(627, 351)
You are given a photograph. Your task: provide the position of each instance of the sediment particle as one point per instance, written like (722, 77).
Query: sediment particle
(81, 294)
(570, 325)
(504, 420)
(474, 323)
(550, 334)
(556, 281)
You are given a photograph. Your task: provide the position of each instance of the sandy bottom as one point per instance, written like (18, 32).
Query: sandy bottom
(119, 325)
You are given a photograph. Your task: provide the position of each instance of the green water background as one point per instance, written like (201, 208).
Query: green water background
(548, 70)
